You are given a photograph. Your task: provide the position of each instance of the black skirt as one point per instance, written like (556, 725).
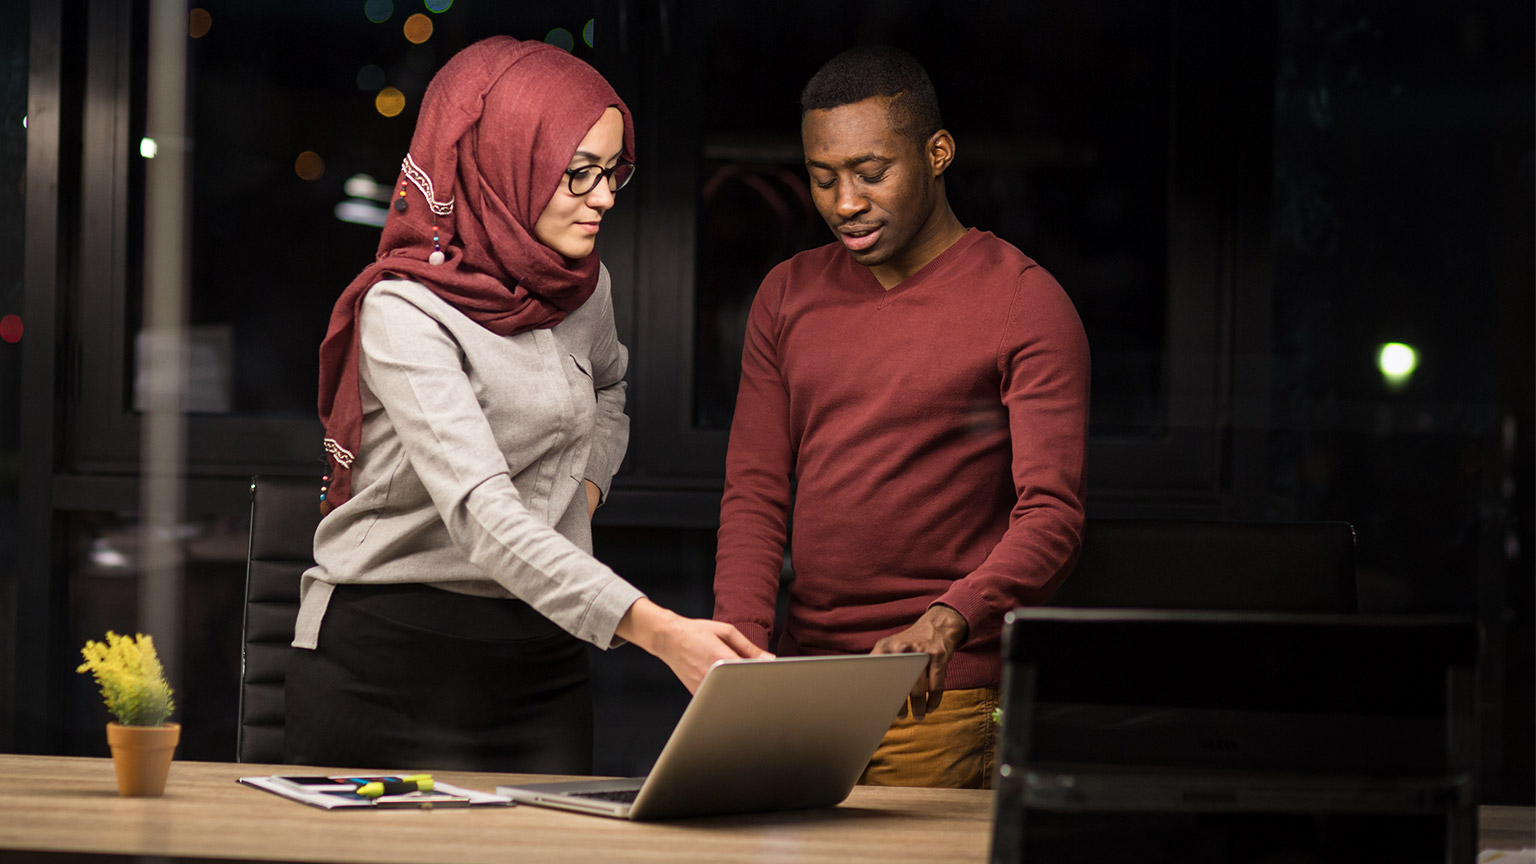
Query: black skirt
(410, 677)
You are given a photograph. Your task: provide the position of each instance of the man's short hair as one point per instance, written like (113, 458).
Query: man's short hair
(877, 70)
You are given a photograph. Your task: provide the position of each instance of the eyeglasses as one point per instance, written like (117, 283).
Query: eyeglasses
(581, 181)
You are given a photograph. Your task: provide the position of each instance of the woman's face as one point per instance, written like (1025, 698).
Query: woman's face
(569, 222)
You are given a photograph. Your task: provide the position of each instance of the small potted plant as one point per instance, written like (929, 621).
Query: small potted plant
(133, 684)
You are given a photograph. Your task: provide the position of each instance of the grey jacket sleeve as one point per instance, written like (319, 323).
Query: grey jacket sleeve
(415, 369)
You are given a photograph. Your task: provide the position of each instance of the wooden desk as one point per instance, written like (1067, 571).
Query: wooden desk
(64, 804)
(70, 805)
(1506, 828)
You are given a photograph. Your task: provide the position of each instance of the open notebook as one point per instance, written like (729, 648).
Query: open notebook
(782, 734)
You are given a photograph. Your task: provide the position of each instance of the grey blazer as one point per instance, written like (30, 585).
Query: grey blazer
(473, 452)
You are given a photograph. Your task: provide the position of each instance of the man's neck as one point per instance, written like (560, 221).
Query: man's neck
(941, 232)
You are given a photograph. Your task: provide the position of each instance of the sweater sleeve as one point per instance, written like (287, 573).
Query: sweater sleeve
(759, 462)
(414, 368)
(610, 435)
(1044, 364)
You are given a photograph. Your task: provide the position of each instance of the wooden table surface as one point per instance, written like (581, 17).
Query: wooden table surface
(70, 804)
(56, 804)
(1512, 828)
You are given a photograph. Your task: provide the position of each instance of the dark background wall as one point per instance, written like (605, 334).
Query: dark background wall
(1244, 203)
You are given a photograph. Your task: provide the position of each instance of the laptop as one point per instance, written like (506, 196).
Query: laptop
(782, 734)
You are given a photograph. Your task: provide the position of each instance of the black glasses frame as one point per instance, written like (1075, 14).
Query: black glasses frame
(617, 176)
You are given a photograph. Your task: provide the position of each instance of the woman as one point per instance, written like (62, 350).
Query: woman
(472, 394)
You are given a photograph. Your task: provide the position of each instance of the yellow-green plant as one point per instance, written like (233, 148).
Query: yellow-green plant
(131, 678)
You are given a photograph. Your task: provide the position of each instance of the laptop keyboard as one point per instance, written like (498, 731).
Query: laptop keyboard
(623, 796)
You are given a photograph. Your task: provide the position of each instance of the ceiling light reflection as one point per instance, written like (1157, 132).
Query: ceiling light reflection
(364, 186)
(361, 213)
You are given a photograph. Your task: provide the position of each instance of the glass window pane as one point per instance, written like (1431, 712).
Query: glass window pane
(104, 566)
(300, 115)
(1073, 176)
(13, 174)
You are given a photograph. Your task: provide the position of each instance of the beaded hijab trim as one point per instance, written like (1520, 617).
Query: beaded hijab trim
(412, 172)
(419, 177)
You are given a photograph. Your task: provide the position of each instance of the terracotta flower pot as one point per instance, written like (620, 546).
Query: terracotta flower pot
(142, 757)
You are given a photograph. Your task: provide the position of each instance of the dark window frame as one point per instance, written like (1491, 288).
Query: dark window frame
(103, 431)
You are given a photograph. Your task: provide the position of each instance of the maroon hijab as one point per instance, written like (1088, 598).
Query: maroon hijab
(498, 126)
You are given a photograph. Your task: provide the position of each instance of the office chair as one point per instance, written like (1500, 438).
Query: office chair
(1233, 566)
(284, 513)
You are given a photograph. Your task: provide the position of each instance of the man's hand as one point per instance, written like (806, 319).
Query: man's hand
(938, 633)
(594, 497)
(689, 646)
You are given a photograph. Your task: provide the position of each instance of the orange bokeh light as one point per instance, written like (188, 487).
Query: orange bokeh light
(418, 28)
(309, 165)
(199, 22)
(390, 102)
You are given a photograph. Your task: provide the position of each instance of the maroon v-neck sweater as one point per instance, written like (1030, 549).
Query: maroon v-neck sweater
(929, 439)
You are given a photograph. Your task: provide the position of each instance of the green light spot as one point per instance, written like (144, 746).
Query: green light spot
(1397, 363)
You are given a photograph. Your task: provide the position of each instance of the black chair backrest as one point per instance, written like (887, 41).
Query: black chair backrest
(1231, 566)
(284, 513)
(1159, 735)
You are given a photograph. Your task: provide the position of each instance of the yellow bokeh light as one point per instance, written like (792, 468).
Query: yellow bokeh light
(418, 28)
(309, 165)
(199, 22)
(390, 102)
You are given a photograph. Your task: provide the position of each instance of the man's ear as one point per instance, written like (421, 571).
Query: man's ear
(940, 151)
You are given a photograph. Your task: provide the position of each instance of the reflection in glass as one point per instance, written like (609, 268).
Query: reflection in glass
(753, 214)
(1074, 176)
(13, 330)
(106, 564)
(289, 105)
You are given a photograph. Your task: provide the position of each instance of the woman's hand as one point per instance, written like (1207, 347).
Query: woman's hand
(689, 646)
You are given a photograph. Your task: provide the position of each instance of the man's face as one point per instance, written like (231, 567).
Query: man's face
(875, 186)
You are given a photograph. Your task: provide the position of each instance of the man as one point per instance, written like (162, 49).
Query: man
(917, 393)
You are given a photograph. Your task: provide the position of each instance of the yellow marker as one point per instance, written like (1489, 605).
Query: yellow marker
(406, 784)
